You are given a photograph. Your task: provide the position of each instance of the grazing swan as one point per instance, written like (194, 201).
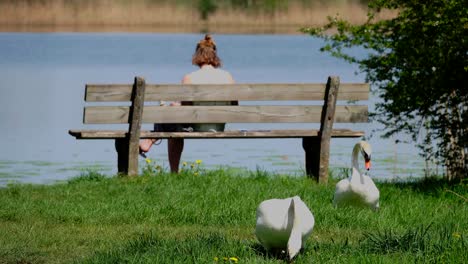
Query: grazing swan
(358, 189)
(284, 224)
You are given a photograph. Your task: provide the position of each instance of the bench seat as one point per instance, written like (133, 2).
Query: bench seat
(114, 134)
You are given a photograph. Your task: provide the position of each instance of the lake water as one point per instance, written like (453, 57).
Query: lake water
(42, 80)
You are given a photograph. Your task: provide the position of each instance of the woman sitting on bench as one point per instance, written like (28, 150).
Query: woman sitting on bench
(206, 58)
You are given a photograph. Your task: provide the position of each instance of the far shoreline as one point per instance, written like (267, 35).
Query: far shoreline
(182, 29)
(141, 16)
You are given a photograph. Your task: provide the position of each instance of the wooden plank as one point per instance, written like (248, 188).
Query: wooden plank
(108, 92)
(224, 114)
(226, 92)
(328, 116)
(136, 116)
(296, 133)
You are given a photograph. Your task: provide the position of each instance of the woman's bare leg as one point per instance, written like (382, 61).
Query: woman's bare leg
(146, 144)
(174, 150)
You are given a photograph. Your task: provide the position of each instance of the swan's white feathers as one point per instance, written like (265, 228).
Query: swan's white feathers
(284, 224)
(359, 189)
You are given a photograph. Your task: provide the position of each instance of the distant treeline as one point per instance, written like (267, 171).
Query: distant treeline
(179, 15)
(256, 5)
(206, 7)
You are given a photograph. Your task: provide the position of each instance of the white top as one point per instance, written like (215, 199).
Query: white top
(208, 74)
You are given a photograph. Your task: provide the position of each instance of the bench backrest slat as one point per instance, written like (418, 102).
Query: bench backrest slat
(230, 92)
(222, 114)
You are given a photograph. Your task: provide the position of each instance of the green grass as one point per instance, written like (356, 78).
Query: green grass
(185, 218)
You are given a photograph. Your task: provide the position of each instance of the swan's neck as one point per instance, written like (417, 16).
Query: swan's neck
(355, 164)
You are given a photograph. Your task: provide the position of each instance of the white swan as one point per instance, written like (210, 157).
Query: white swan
(358, 189)
(284, 224)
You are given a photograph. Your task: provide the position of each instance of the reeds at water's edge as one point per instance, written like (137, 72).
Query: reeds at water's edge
(162, 16)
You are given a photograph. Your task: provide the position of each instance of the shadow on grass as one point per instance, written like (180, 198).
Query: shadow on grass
(274, 254)
(433, 186)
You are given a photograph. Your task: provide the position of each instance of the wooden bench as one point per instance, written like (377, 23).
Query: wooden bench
(135, 110)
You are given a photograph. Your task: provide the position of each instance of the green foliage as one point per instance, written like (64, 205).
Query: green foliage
(152, 168)
(418, 64)
(206, 7)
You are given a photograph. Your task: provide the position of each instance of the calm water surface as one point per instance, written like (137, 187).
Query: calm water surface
(42, 79)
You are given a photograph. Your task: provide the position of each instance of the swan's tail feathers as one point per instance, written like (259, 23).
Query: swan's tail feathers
(295, 238)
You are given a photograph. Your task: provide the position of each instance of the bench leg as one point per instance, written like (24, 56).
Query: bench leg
(311, 147)
(121, 146)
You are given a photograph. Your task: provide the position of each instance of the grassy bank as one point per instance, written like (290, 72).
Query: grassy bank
(198, 217)
(172, 16)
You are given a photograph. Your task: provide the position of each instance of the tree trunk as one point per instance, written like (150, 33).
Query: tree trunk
(455, 156)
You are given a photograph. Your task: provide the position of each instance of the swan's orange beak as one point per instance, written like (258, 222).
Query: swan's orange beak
(367, 164)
